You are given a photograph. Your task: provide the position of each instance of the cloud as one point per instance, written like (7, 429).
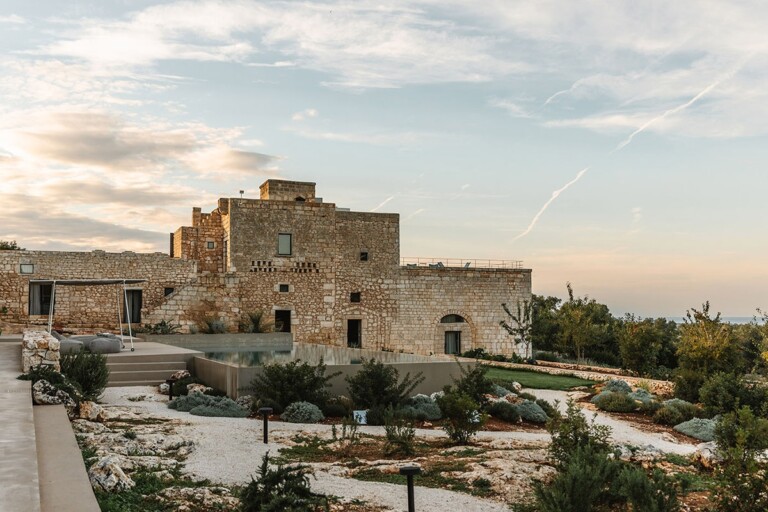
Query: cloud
(512, 108)
(382, 204)
(304, 114)
(13, 19)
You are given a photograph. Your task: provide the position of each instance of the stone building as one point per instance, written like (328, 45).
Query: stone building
(324, 273)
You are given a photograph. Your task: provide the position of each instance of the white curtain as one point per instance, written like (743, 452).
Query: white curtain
(35, 302)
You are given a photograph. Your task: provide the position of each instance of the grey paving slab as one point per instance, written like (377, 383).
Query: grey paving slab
(19, 483)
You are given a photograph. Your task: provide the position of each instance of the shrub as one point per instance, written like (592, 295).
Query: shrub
(474, 383)
(462, 414)
(742, 477)
(701, 429)
(527, 396)
(423, 411)
(500, 391)
(504, 411)
(267, 402)
(336, 410)
(614, 402)
(162, 327)
(302, 412)
(375, 416)
(186, 403)
(547, 356)
(547, 407)
(294, 381)
(687, 383)
(280, 488)
(650, 408)
(400, 434)
(583, 481)
(655, 494)
(668, 416)
(56, 379)
(571, 431)
(180, 386)
(686, 409)
(642, 395)
(89, 370)
(420, 399)
(255, 321)
(476, 353)
(725, 392)
(376, 385)
(220, 407)
(531, 411)
(617, 386)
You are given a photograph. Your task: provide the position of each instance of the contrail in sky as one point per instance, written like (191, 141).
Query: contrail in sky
(383, 203)
(628, 140)
(555, 195)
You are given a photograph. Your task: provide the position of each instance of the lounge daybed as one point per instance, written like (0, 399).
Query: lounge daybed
(103, 343)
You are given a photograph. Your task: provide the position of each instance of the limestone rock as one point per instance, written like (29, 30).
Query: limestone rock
(181, 374)
(45, 393)
(198, 498)
(245, 401)
(89, 411)
(516, 387)
(163, 388)
(706, 454)
(200, 389)
(106, 475)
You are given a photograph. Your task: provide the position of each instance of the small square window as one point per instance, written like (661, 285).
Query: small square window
(284, 288)
(354, 297)
(167, 291)
(27, 268)
(210, 245)
(284, 244)
(363, 255)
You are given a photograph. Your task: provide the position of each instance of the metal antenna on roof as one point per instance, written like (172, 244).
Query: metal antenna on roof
(241, 193)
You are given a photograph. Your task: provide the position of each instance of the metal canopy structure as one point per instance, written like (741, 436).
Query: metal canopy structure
(93, 282)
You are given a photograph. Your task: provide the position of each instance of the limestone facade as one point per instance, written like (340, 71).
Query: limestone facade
(328, 274)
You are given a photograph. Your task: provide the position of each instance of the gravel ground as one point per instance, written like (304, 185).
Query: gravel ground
(228, 450)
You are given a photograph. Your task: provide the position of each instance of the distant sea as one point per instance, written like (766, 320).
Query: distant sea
(729, 319)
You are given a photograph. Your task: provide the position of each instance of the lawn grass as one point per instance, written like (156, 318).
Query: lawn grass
(536, 380)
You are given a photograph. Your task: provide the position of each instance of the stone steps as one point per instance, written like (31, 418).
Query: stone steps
(158, 376)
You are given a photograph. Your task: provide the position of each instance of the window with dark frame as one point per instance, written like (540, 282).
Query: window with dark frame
(27, 268)
(40, 298)
(210, 245)
(132, 306)
(167, 291)
(284, 244)
(363, 255)
(354, 297)
(284, 288)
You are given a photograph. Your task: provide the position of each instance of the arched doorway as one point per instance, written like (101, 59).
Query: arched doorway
(452, 327)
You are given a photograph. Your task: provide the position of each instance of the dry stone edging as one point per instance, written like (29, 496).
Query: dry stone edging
(107, 475)
(40, 348)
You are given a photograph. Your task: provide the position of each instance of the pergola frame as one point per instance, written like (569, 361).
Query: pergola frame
(93, 282)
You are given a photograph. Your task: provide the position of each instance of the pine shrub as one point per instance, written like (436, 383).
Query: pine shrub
(88, 370)
(280, 488)
(295, 381)
(302, 412)
(378, 385)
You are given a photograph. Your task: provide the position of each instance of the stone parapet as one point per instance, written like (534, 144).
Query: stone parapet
(39, 347)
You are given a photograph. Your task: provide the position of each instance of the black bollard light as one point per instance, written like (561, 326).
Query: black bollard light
(265, 412)
(170, 383)
(409, 472)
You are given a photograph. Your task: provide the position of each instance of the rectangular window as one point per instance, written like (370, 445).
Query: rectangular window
(453, 342)
(284, 244)
(40, 298)
(354, 297)
(284, 288)
(167, 291)
(364, 256)
(132, 309)
(27, 268)
(210, 245)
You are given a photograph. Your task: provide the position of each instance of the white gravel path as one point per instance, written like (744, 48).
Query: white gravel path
(228, 450)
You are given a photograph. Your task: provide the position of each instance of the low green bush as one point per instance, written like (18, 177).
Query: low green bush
(531, 411)
(547, 356)
(611, 401)
(500, 391)
(668, 416)
(400, 434)
(375, 416)
(725, 392)
(686, 409)
(221, 407)
(650, 408)
(186, 403)
(378, 385)
(180, 386)
(462, 415)
(527, 396)
(474, 383)
(302, 412)
(698, 428)
(504, 411)
(420, 399)
(89, 370)
(617, 386)
(642, 395)
(423, 411)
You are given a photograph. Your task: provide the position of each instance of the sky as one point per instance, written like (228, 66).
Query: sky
(617, 145)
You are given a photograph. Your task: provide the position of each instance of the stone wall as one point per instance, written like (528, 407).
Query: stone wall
(283, 190)
(85, 308)
(426, 295)
(39, 348)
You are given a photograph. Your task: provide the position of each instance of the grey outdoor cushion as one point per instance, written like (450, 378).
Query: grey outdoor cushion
(105, 344)
(69, 345)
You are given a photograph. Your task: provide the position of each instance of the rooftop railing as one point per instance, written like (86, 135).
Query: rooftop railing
(459, 263)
